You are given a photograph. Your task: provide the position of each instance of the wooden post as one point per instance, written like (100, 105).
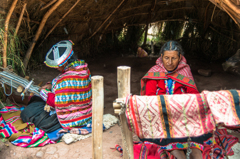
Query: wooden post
(97, 116)
(123, 82)
(39, 31)
(5, 35)
(20, 18)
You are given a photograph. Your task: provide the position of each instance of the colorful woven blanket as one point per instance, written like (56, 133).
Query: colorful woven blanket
(178, 116)
(19, 133)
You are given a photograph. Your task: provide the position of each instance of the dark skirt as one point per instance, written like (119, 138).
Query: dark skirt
(35, 113)
(182, 143)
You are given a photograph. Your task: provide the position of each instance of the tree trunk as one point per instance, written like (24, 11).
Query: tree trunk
(6, 32)
(40, 28)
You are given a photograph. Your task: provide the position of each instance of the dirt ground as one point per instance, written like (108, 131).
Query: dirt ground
(107, 67)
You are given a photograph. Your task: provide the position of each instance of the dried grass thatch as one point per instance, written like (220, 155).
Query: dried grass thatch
(89, 22)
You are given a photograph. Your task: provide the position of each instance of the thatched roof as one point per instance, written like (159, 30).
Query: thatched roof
(94, 18)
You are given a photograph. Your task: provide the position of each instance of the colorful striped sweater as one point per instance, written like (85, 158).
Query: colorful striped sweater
(72, 95)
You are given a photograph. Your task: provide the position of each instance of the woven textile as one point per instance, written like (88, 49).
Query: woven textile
(182, 74)
(19, 133)
(73, 95)
(178, 116)
(224, 106)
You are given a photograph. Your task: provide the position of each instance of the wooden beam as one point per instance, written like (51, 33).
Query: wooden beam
(6, 32)
(106, 20)
(20, 18)
(50, 31)
(97, 116)
(47, 5)
(123, 83)
(40, 28)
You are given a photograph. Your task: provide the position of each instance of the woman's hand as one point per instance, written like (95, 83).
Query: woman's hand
(46, 86)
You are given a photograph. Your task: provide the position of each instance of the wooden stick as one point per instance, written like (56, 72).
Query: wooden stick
(106, 19)
(39, 31)
(123, 82)
(47, 5)
(50, 31)
(20, 18)
(117, 111)
(117, 106)
(42, 1)
(6, 32)
(97, 116)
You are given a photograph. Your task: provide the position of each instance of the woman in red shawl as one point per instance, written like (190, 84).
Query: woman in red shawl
(172, 75)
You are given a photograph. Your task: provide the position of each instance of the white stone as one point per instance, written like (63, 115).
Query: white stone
(39, 154)
(51, 150)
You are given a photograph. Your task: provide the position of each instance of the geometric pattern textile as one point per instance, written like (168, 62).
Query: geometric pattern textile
(19, 133)
(178, 116)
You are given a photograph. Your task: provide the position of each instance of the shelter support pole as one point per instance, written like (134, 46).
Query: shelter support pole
(6, 32)
(97, 116)
(123, 82)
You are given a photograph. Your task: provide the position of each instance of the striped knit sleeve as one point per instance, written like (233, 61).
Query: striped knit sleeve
(44, 94)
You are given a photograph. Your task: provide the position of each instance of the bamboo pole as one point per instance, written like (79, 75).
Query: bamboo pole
(50, 31)
(106, 19)
(47, 5)
(6, 32)
(97, 116)
(40, 28)
(123, 82)
(20, 18)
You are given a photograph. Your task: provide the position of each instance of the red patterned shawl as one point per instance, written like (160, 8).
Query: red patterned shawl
(182, 74)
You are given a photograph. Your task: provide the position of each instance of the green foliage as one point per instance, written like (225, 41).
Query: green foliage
(14, 49)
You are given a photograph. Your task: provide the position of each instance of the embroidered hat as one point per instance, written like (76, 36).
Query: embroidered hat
(59, 54)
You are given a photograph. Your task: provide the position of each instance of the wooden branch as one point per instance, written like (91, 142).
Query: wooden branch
(40, 28)
(97, 116)
(222, 34)
(168, 10)
(123, 82)
(42, 1)
(29, 20)
(50, 31)
(106, 20)
(232, 6)
(47, 5)
(6, 32)
(20, 18)
(229, 11)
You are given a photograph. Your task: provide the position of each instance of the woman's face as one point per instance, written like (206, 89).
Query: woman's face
(61, 68)
(170, 60)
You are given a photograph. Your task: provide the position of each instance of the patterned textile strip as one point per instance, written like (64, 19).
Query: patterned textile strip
(144, 152)
(236, 101)
(165, 113)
